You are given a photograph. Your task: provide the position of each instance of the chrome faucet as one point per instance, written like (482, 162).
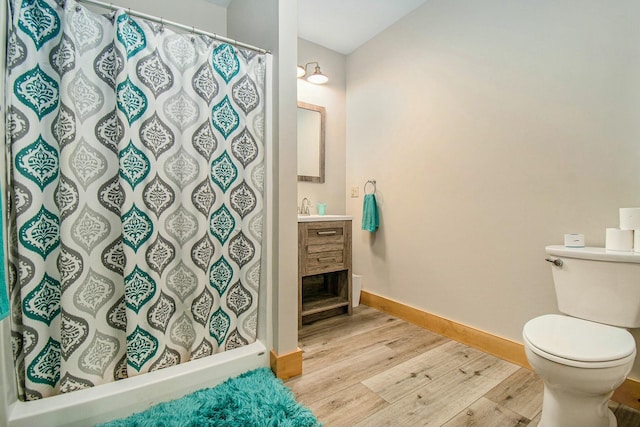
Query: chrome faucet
(304, 208)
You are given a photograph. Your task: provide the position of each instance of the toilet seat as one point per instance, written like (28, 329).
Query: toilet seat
(577, 342)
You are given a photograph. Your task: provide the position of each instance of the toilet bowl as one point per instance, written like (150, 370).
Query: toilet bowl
(585, 353)
(581, 364)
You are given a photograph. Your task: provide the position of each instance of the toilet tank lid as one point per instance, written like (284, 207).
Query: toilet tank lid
(598, 254)
(577, 339)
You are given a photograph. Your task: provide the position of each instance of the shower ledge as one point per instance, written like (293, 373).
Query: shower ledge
(310, 218)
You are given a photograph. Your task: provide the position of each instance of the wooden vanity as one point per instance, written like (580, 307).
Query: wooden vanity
(324, 267)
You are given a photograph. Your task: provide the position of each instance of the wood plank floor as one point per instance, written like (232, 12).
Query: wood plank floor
(373, 369)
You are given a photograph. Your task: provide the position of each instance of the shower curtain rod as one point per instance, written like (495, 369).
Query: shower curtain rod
(163, 21)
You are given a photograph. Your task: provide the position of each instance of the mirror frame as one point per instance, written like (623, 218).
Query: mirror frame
(321, 110)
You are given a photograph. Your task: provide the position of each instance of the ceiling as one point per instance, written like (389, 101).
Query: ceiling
(223, 3)
(344, 25)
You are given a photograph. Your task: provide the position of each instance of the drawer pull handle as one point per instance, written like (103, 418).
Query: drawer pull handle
(327, 233)
(326, 259)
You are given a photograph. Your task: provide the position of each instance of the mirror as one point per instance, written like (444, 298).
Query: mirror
(310, 142)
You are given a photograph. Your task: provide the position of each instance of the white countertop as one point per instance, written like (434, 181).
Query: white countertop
(312, 218)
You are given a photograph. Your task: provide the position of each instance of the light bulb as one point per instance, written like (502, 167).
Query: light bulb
(317, 77)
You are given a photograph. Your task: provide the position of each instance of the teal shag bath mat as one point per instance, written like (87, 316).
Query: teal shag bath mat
(255, 398)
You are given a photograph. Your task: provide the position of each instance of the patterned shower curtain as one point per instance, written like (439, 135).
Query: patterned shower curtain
(137, 176)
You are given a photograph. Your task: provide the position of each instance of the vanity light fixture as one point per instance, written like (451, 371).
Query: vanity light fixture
(316, 77)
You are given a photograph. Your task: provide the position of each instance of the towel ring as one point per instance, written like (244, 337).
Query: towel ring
(372, 182)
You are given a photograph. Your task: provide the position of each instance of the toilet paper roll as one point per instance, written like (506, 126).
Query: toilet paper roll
(629, 218)
(636, 240)
(619, 240)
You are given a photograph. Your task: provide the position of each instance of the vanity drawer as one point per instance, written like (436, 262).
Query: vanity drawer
(324, 233)
(325, 239)
(324, 261)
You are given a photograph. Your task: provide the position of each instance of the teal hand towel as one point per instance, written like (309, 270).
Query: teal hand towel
(370, 221)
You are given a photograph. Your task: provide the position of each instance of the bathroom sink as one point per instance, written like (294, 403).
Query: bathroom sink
(309, 218)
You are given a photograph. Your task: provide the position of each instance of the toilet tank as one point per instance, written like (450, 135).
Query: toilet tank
(597, 284)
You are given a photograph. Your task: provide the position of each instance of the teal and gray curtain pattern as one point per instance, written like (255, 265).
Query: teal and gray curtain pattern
(137, 182)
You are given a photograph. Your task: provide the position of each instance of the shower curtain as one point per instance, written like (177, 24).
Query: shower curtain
(137, 171)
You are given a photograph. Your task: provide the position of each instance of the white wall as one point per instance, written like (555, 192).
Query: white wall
(492, 128)
(272, 24)
(332, 96)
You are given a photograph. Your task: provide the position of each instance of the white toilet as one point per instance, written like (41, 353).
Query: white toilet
(582, 359)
